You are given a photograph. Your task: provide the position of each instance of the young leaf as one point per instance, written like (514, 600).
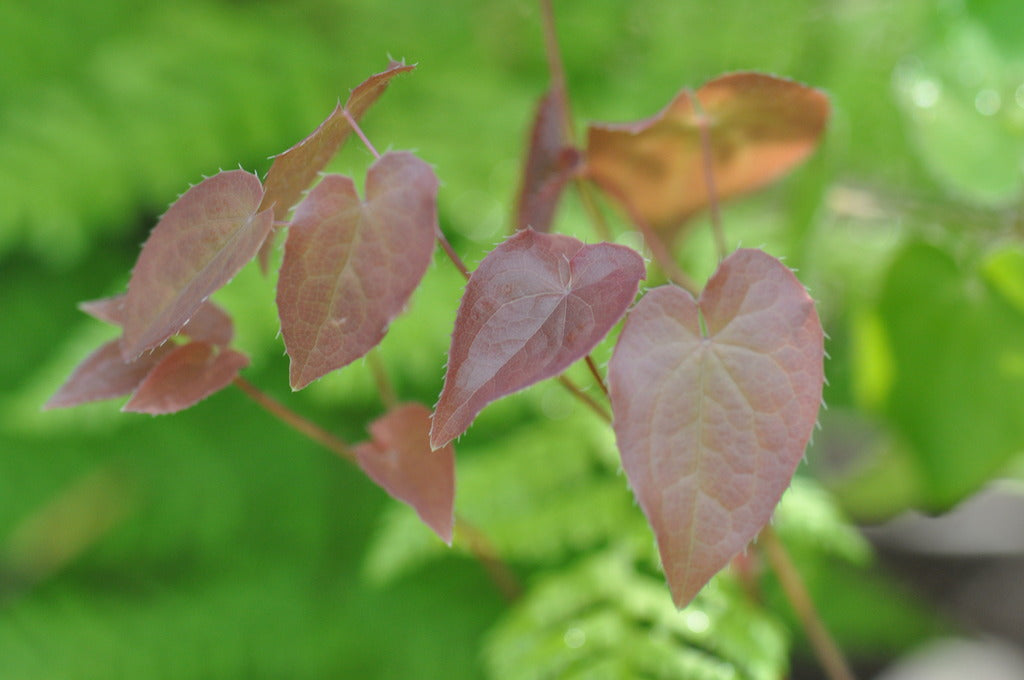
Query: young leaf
(200, 243)
(400, 460)
(550, 164)
(210, 323)
(536, 304)
(104, 374)
(714, 403)
(184, 377)
(350, 265)
(759, 126)
(294, 170)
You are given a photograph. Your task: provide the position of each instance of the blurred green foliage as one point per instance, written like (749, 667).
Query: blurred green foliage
(234, 548)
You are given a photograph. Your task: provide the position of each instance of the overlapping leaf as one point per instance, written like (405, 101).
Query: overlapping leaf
(550, 163)
(400, 460)
(105, 374)
(759, 127)
(294, 170)
(536, 304)
(350, 265)
(714, 403)
(200, 243)
(186, 376)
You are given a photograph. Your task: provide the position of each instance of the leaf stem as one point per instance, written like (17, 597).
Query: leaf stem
(380, 376)
(597, 218)
(573, 388)
(500, 573)
(597, 375)
(359, 132)
(707, 156)
(452, 255)
(825, 648)
(295, 421)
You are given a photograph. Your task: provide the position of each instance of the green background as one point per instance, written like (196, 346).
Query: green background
(218, 543)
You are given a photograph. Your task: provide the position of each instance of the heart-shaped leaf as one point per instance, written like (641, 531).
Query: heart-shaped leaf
(714, 403)
(759, 127)
(536, 304)
(350, 266)
(400, 460)
(199, 244)
(294, 170)
(104, 374)
(184, 377)
(550, 164)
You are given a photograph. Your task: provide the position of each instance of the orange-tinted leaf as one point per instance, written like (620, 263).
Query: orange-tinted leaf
(536, 304)
(714, 403)
(350, 266)
(185, 376)
(294, 170)
(209, 323)
(550, 164)
(200, 243)
(400, 460)
(760, 127)
(105, 375)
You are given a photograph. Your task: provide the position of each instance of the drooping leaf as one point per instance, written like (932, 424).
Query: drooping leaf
(187, 375)
(536, 304)
(550, 163)
(200, 243)
(209, 323)
(401, 461)
(350, 265)
(104, 374)
(760, 127)
(714, 402)
(294, 170)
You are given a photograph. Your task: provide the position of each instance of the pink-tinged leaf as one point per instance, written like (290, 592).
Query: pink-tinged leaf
(210, 323)
(105, 375)
(294, 170)
(550, 163)
(400, 460)
(350, 265)
(714, 403)
(200, 243)
(760, 127)
(184, 377)
(536, 304)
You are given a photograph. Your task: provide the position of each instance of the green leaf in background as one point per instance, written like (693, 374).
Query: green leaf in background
(958, 360)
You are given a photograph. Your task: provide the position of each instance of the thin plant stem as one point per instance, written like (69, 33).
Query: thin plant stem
(707, 157)
(452, 255)
(597, 218)
(359, 132)
(597, 375)
(555, 66)
(825, 648)
(502, 576)
(574, 389)
(480, 547)
(293, 420)
(380, 377)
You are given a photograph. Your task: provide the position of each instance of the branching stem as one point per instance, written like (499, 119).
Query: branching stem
(597, 375)
(381, 379)
(828, 653)
(359, 132)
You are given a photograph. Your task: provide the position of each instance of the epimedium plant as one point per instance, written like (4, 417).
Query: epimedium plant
(713, 392)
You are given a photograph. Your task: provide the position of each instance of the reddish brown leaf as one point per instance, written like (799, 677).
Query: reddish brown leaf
(198, 246)
(350, 265)
(714, 402)
(400, 460)
(536, 304)
(550, 163)
(184, 377)
(210, 323)
(760, 127)
(294, 170)
(105, 375)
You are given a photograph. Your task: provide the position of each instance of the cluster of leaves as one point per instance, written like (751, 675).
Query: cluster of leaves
(714, 398)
